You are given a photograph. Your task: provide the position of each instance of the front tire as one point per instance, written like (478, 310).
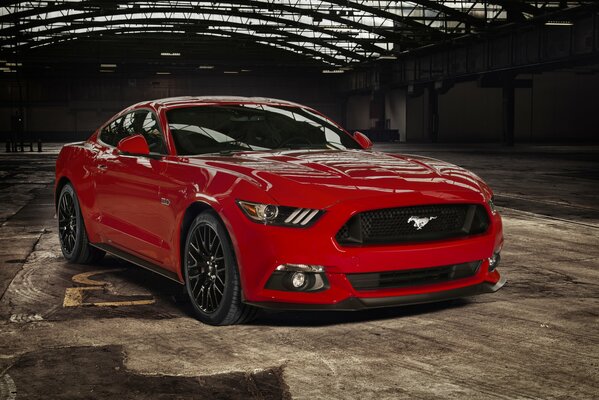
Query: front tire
(71, 230)
(211, 275)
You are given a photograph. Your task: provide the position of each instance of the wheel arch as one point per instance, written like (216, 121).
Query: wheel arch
(191, 212)
(62, 182)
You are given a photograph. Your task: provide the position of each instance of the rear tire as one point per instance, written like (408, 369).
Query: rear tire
(71, 230)
(211, 275)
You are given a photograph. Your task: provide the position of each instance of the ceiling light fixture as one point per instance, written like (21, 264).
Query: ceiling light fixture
(206, 67)
(107, 65)
(332, 71)
(163, 73)
(168, 54)
(558, 23)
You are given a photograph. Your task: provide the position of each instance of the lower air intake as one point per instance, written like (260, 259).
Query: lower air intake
(413, 277)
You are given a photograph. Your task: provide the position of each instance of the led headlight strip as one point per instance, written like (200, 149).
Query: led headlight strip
(280, 215)
(491, 202)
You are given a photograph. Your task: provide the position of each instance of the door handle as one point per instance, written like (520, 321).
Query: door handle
(103, 167)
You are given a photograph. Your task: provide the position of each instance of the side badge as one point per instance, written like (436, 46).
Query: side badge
(164, 201)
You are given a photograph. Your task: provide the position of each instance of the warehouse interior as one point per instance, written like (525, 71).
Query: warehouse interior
(507, 89)
(407, 71)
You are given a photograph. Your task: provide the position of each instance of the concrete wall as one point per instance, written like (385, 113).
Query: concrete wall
(560, 107)
(71, 109)
(468, 113)
(564, 107)
(395, 111)
(417, 118)
(357, 113)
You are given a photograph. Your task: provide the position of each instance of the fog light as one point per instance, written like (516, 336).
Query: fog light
(298, 279)
(494, 261)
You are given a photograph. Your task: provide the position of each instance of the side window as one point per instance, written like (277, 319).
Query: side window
(151, 131)
(129, 124)
(143, 122)
(112, 133)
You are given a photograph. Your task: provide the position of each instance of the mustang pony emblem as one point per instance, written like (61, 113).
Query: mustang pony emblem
(420, 223)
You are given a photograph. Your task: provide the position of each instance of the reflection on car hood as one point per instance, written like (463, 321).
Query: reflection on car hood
(344, 174)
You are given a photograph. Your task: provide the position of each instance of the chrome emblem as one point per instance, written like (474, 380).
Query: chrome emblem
(420, 223)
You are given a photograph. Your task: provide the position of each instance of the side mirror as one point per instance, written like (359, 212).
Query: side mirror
(134, 145)
(363, 140)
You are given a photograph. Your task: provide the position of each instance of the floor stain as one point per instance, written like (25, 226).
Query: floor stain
(99, 373)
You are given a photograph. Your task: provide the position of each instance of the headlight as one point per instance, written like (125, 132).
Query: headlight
(492, 204)
(278, 215)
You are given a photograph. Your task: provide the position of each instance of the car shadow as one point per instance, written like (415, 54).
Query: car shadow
(314, 318)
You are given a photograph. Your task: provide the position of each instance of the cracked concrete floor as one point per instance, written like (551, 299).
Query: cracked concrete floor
(537, 338)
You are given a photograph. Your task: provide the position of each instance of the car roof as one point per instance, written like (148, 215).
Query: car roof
(171, 102)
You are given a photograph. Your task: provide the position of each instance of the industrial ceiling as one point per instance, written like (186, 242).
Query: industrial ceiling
(330, 34)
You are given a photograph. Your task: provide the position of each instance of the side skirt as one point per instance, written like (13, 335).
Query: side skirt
(137, 261)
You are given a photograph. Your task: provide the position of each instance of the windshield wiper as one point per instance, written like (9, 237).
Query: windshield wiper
(236, 143)
(313, 146)
(229, 152)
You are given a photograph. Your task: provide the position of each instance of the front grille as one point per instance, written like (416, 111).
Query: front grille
(413, 277)
(413, 224)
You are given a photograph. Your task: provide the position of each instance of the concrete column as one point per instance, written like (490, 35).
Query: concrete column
(433, 114)
(509, 110)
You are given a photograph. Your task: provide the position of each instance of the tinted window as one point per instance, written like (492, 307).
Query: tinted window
(144, 122)
(208, 129)
(112, 133)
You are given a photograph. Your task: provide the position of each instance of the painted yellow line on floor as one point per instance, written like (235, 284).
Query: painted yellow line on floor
(84, 277)
(73, 297)
(121, 303)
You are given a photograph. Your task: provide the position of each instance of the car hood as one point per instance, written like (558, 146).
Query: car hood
(317, 176)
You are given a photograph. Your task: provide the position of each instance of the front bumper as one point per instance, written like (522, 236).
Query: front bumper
(356, 303)
(261, 248)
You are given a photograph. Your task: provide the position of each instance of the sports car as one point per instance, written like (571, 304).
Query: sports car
(260, 203)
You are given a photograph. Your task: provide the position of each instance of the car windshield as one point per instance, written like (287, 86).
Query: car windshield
(247, 127)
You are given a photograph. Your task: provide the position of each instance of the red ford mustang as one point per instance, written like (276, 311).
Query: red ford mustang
(253, 202)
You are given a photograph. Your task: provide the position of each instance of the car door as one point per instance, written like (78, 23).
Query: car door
(132, 214)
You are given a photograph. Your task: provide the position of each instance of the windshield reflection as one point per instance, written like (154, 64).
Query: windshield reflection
(252, 127)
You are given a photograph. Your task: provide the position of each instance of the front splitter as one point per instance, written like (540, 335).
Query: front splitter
(356, 303)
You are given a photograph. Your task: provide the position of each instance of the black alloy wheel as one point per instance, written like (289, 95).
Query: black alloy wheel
(71, 230)
(206, 268)
(211, 275)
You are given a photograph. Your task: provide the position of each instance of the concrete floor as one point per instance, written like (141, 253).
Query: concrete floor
(537, 338)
